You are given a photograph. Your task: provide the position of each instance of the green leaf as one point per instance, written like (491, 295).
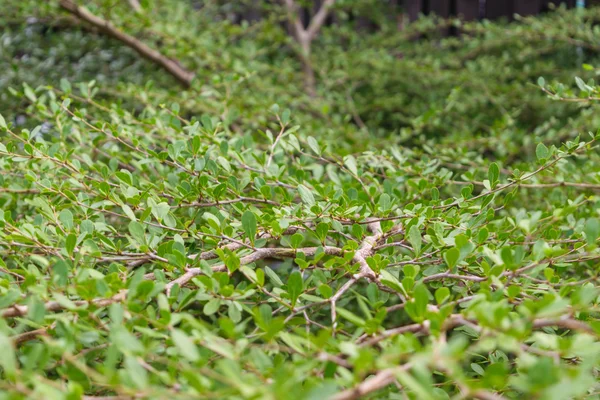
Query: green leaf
(129, 212)
(66, 218)
(441, 294)
(285, 116)
(322, 230)
(71, 241)
(421, 297)
(478, 369)
(350, 316)
(493, 174)
(541, 82)
(391, 281)
(160, 210)
(306, 195)
(325, 291)
(581, 84)
(274, 277)
(2, 122)
(60, 272)
(212, 306)
(592, 230)
(451, 257)
(185, 345)
(415, 240)
(541, 152)
(137, 373)
(295, 285)
(506, 255)
(384, 202)
(29, 93)
(8, 360)
(91, 248)
(314, 146)
(296, 240)
(249, 225)
(137, 231)
(350, 162)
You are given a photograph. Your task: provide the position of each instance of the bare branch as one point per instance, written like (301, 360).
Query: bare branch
(29, 335)
(19, 311)
(184, 76)
(372, 384)
(135, 4)
(565, 323)
(259, 254)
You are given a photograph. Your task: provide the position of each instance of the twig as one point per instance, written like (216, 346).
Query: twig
(372, 384)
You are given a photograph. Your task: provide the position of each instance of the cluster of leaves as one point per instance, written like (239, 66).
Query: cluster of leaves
(386, 83)
(148, 255)
(220, 246)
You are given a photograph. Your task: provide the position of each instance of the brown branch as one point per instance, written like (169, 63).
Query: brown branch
(447, 275)
(366, 249)
(232, 201)
(456, 320)
(258, 254)
(387, 376)
(304, 37)
(135, 4)
(319, 19)
(30, 335)
(184, 76)
(565, 323)
(581, 185)
(19, 311)
(372, 384)
(292, 10)
(413, 328)
(19, 191)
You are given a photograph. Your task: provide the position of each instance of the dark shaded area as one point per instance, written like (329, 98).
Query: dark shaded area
(479, 9)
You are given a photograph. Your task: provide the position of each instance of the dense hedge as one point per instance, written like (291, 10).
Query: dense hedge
(425, 227)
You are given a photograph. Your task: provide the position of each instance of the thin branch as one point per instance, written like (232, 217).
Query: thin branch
(30, 335)
(19, 311)
(258, 254)
(372, 384)
(223, 202)
(565, 323)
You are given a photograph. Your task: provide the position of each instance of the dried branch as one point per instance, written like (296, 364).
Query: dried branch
(372, 384)
(19, 311)
(30, 335)
(258, 254)
(184, 76)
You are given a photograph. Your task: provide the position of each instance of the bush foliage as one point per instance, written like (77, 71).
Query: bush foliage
(425, 227)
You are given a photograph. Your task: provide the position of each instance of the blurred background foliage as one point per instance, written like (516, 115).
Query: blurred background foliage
(377, 76)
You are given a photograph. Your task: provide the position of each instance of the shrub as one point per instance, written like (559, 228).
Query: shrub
(426, 226)
(148, 255)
